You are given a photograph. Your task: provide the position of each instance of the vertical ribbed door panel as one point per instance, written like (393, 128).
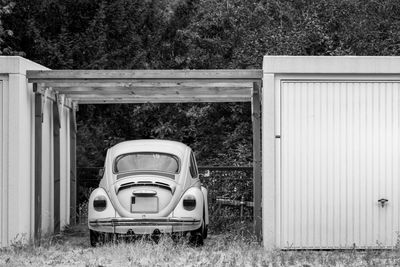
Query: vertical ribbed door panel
(339, 155)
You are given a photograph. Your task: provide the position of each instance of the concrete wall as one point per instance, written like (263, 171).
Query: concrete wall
(17, 135)
(330, 152)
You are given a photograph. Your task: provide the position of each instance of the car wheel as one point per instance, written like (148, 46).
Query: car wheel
(156, 237)
(130, 238)
(94, 238)
(205, 232)
(97, 238)
(205, 227)
(196, 239)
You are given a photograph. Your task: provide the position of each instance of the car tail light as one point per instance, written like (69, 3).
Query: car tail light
(189, 202)
(100, 203)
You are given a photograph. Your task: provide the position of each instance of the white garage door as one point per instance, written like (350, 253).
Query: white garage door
(339, 162)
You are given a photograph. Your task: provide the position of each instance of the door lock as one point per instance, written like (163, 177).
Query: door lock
(383, 201)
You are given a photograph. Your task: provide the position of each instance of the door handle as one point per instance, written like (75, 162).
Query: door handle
(383, 201)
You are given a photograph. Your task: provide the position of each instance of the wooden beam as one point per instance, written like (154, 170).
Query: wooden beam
(156, 97)
(149, 86)
(38, 166)
(104, 83)
(57, 170)
(257, 178)
(73, 178)
(230, 202)
(154, 75)
(127, 100)
(132, 82)
(165, 91)
(88, 82)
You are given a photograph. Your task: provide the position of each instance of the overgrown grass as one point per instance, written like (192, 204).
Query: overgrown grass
(72, 248)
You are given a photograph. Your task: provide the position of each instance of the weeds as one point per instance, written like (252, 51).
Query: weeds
(18, 242)
(71, 247)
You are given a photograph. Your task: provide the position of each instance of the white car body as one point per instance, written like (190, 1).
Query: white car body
(136, 200)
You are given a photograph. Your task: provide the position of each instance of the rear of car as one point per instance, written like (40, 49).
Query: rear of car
(149, 187)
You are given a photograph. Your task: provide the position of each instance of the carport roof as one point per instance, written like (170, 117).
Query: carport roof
(140, 86)
(148, 86)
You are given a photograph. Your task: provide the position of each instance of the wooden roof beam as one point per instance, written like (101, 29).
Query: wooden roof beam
(79, 85)
(126, 100)
(153, 75)
(166, 91)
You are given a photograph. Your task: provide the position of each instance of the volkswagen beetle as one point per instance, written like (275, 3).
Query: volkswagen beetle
(149, 187)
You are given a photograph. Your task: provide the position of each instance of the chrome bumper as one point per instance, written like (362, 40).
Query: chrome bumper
(139, 222)
(144, 226)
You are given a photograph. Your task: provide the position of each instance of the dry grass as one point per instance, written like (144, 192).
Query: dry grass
(72, 248)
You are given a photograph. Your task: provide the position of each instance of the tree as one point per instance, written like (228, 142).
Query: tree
(6, 7)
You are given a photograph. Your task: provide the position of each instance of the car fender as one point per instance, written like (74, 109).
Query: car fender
(197, 212)
(108, 212)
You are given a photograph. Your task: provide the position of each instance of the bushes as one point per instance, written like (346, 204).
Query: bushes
(231, 184)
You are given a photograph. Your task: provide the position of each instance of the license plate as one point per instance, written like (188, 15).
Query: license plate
(141, 204)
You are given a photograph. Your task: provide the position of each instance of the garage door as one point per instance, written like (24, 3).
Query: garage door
(339, 164)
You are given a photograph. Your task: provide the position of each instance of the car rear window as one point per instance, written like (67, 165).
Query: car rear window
(146, 161)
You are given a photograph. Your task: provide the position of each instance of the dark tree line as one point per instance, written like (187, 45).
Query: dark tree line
(187, 34)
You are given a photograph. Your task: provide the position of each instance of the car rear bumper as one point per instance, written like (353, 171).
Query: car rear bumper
(144, 226)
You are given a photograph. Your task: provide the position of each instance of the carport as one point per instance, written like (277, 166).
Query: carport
(75, 87)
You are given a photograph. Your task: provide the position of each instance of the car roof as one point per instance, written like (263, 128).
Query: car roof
(149, 145)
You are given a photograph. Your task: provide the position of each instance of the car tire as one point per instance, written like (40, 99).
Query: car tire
(196, 239)
(204, 226)
(205, 232)
(97, 238)
(197, 236)
(203, 229)
(156, 238)
(94, 238)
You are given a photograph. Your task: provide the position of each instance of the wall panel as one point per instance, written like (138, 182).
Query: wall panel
(3, 162)
(17, 137)
(47, 168)
(23, 151)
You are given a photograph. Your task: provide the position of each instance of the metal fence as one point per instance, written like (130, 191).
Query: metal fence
(230, 194)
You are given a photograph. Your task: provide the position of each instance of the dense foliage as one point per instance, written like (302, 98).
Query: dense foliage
(6, 7)
(182, 34)
(219, 133)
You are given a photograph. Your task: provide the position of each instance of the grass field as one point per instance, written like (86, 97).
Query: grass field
(72, 249)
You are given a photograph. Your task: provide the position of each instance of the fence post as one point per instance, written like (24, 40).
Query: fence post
(241, 208)
(257, 182)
